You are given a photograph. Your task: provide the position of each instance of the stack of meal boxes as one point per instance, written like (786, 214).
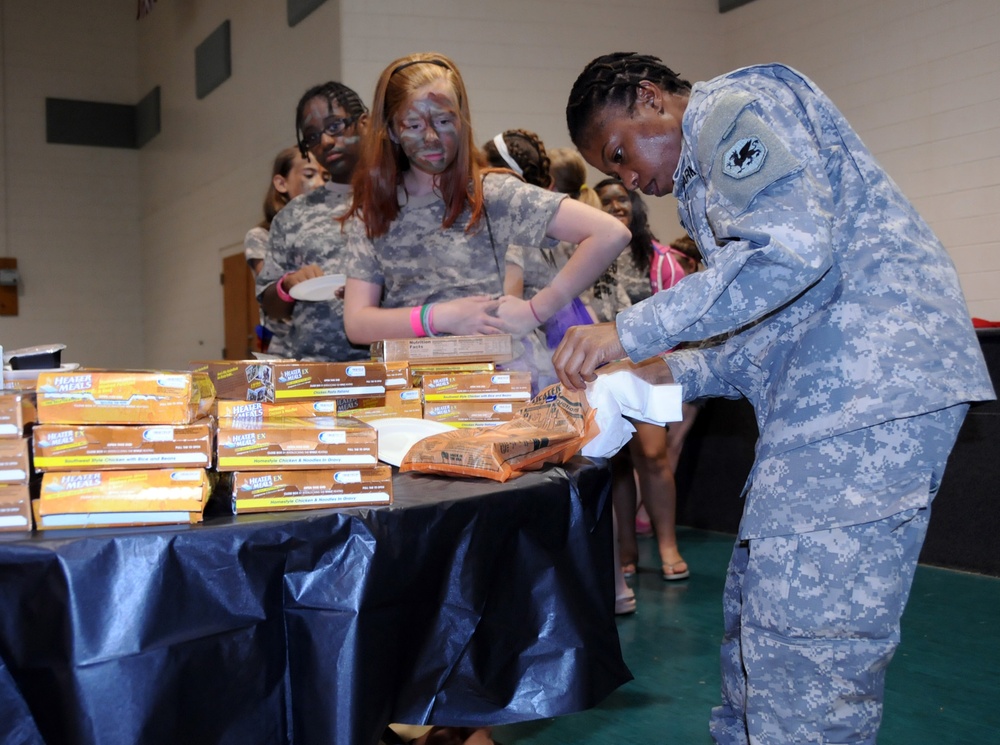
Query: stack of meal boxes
(17, 415)
(281, 441)
(122, 447)
(458, 379)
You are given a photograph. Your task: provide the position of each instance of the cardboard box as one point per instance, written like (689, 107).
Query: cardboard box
(397, 375)
(308, 443)
(272, 491)
(178, 495)
(269, 381)
(15, 507)
(404, 402)
(265, 412)
(445, 349)
(419, 370)
(15, 461)
(126, 397)
(496, 386)
(68, 447)
(471, 413)
(17, 412)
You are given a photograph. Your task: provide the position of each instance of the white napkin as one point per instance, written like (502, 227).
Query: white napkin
(620, 394)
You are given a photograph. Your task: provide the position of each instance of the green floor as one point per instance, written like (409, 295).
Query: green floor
(942, 686)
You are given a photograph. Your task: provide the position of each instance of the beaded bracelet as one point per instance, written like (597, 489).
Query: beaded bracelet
(281, 290)
(415, 324)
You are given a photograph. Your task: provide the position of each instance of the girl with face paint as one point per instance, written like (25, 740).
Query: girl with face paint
(430, 224)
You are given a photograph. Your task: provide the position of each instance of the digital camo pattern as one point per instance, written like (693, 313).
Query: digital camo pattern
(634, 281)
(539, 266)
(839, 316)
(255, 246)
(848, 310)
(811, 622)
(305, 232)
(812, 617)
(418, 262)
(255, 243)
(607, 296)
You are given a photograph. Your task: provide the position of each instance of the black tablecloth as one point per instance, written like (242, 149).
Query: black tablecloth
(466, 602)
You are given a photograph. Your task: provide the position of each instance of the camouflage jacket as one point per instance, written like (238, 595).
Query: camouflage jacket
(836, 306)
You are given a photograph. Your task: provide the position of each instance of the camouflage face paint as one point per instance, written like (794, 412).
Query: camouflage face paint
(428, 128)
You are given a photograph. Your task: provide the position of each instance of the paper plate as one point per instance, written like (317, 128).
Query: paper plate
(398, 434)
(318, 288)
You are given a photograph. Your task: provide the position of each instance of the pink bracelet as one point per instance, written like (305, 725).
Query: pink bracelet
(532, 307)
(415, 322)
(281, 290)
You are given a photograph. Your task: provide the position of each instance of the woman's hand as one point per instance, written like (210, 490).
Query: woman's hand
(516, 315)
(584, 349)
(309, 271)
(476, 314)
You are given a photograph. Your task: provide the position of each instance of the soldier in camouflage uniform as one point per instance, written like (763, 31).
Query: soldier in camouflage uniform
(430, 226)
(306, 239)
(838, 314)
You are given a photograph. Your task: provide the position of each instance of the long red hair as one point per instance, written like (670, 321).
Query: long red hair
(382, 162)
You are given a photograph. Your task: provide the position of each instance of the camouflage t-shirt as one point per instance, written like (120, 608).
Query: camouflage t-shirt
(255, 243)
(305, 232)
(255, 246)
(417, 261)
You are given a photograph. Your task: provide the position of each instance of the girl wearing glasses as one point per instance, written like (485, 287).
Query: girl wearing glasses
(306, 240)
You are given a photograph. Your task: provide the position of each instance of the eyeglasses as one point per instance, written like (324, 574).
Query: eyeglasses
(334, 126)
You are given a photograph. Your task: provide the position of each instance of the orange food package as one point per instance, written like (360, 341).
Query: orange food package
(144, 490)
(15, 507)
(551, 428)
(123, 397)
(17, 412)
(71, 447)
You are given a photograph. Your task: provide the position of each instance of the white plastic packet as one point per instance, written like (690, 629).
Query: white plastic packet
(621, 394)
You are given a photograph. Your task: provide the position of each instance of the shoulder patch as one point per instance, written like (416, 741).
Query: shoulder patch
(744, 158)
(719, 123)
(750, 157)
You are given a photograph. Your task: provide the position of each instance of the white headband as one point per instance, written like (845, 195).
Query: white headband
(505, 154)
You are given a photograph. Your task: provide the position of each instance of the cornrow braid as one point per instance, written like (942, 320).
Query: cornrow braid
(612, 80)
(528, 151)
(333, 92)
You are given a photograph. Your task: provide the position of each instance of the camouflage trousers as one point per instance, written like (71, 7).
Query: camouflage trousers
(813, 619)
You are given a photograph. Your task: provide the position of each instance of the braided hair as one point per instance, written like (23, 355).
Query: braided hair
(528, 151)
(612, 80)
(333, 92)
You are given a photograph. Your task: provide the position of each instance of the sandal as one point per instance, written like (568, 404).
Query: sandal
(670, 574)
(625, 604)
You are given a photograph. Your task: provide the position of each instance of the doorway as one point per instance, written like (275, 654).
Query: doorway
(242, 313)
